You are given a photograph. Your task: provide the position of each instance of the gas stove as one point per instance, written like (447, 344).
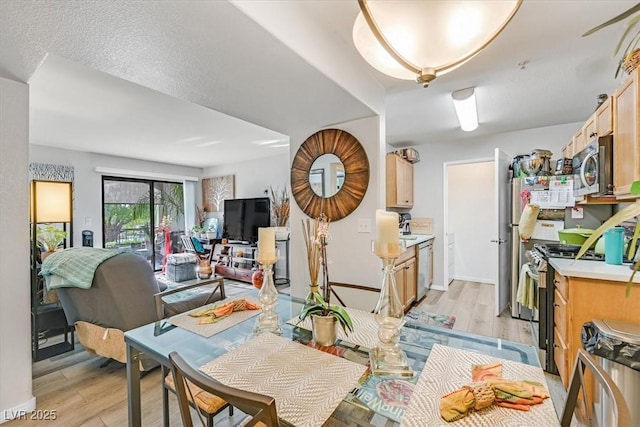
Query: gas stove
(557, 250)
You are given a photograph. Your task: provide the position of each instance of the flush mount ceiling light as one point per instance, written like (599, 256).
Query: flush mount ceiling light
(419, 40)
(464, 101)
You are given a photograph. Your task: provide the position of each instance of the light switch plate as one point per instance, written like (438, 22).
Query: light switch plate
(364, 225)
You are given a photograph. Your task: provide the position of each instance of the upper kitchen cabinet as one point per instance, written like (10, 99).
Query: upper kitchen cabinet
(626, 130)
(579, 140)
(567, 150)
(604, 118)
(399, 174)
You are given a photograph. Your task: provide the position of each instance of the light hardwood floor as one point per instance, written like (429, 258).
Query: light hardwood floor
(84, 394)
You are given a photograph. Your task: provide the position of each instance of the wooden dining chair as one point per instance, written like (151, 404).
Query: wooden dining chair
(260, 408)
(585, 361)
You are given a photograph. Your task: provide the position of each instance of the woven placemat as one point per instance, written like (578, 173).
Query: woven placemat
(447, 369)
(365, 328)
(306, 383)
(191, 323)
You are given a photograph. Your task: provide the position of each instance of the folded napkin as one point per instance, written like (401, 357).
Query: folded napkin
(213, 314)
(489, 387)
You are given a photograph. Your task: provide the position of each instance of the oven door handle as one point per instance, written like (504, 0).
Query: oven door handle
(582, 169)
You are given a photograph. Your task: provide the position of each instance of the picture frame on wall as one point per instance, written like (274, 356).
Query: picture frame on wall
(215, 191)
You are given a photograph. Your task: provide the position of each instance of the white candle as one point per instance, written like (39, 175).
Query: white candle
(388, 236)
(266, 244)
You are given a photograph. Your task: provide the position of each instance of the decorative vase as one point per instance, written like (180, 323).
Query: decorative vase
(282, 233)
(268, 320)
(323, 329)
(203, 270)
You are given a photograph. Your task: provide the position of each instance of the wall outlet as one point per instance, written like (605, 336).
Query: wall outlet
(364, 225)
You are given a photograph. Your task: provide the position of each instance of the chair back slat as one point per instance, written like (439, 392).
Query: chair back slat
(259, 407)
(585, 361)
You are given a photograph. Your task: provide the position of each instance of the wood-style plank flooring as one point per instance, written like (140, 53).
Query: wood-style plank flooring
(84, 394)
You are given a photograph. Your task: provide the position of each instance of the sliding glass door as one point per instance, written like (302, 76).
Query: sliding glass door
(146, 217)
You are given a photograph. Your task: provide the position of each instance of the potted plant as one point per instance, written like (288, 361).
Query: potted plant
(631, 55)
(324, 316)
(280, 208)
(625, 214)
(49, 238)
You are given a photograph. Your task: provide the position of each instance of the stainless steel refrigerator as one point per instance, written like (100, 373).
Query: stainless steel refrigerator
(550, 218)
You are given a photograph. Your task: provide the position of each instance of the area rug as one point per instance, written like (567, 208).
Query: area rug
(441, 320)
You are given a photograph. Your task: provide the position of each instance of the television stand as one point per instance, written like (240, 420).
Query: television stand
(238, 261)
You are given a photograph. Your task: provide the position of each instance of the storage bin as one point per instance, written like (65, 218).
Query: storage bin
(181, 272)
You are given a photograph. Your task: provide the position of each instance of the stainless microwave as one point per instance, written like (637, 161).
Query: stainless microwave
(593, 168)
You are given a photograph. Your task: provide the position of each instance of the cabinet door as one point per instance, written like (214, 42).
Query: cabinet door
(589, 130)
(410, 282)
(626, 125)
(407, 184)
(578, 141)
(560, 357)
(400, 283)
(604, 118)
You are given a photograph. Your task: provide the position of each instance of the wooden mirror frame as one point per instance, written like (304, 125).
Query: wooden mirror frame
(356, 174)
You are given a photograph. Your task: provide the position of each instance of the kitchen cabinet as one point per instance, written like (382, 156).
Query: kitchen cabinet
(579, 141)
(406, 275)
(589, 130)
(567, 150)
(399, 179)
(604, 118)
(626, 129)
(580, 300)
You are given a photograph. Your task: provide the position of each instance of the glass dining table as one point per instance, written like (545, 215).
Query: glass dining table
(156, 340)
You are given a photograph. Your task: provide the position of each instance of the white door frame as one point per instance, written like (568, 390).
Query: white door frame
(445, 213)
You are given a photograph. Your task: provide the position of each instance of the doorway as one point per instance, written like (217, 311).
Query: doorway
(469, 218)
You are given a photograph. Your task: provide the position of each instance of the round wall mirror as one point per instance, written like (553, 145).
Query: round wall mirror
(327, 175)
(330, 174)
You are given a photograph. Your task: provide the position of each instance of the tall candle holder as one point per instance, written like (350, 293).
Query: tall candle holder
(387, 357)
(268, 320)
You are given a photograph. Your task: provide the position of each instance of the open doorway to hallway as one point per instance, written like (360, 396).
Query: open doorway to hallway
(469, 221)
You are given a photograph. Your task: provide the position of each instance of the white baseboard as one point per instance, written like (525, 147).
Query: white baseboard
(21, 411)
(475, 279)
(436, 288)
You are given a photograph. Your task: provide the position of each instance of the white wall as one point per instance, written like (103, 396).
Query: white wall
(472, 215)
(87, 209)
(15, 321)
(349, 252)
(253, 177)
(428, 172)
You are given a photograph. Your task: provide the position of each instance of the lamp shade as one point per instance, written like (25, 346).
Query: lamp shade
(50, 201)
(406, 39)
(464, 101)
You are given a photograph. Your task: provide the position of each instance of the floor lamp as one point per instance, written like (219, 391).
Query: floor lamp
(50, 202)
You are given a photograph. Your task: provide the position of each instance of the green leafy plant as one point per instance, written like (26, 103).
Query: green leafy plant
(319, 307)
(625, 214)
(49, 238)
(634, 17)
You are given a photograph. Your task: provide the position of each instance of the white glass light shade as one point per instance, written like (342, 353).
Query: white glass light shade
(50, 201)
(438, 35)
(464, 101)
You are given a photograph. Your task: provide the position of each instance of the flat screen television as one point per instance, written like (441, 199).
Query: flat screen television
(243, 217)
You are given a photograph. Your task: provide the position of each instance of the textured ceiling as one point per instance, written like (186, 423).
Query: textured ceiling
(212, 54)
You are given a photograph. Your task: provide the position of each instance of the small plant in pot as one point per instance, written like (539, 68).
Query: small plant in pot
(324, 316)
(49, 238)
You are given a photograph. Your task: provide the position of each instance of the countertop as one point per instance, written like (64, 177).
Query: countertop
(414, 239)
(599, 270)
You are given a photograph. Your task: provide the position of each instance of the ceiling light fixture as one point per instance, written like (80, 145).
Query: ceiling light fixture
(464, 101)
(424, 39)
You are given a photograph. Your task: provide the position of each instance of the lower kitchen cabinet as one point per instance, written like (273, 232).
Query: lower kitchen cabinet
(579, 300)
(406, 276)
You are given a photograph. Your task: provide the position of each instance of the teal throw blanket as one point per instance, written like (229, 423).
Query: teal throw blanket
(74, 267)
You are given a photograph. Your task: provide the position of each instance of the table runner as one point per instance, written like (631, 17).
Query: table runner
(306, 383)
(365, 328)
(447, 369)
(191, 323)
